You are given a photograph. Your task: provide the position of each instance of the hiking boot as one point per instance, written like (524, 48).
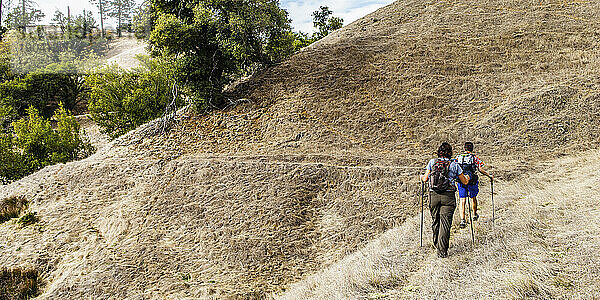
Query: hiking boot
(463, 224)
(475, 216)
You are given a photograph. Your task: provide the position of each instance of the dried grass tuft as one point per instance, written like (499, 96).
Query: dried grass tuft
(18, 284)
(12, 207)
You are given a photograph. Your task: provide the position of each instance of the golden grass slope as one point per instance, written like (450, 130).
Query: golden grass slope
(131, 224)
(316, 156)
(544, 246)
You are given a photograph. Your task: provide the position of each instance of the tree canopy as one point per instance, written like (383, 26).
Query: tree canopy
(24, 14)
(325, 23)
(217, 40)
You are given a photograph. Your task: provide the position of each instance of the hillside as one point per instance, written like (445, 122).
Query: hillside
(318, 156)
(543, 246)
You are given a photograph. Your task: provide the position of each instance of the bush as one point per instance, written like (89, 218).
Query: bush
(45, 146)
(36, 144)
(12, 207)
(218, 41)
(28, 219)
(43, 90)
(18, 283)
(121, 100)
(70, 145)
(35, 137)
(29, 53)
(13, 164)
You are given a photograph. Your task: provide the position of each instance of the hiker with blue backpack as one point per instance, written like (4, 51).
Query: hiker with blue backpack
(442, 174)
(470, 164)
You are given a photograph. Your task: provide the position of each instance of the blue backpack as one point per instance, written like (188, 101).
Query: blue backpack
(467, 163)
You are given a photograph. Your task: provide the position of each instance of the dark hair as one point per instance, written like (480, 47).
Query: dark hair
(468, 146)
(445, 150)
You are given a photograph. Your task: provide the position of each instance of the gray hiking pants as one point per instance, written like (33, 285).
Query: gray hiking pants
(442, 208)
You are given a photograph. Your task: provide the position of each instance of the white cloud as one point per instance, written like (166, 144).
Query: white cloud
(301, 11)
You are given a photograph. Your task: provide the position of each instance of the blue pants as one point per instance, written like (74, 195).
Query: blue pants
(468, 191)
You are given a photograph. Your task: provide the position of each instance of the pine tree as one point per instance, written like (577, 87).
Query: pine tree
(121, 10)
(24, 14)
(101, 4)
(60, 20)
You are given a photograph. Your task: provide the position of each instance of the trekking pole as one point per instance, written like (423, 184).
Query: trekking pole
(422, 214)
(471, 217)
(493, 207)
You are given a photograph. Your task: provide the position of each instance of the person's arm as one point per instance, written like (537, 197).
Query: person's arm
(485, 173)
(461, 176)
(425, 176)
(464, 178)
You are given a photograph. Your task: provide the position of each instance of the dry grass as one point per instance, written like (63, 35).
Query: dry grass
(320, 157)
(544, 246)
(12, 207)
(18, 284)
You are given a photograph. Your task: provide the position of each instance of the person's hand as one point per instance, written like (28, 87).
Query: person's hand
(491, 177)
(422, 177)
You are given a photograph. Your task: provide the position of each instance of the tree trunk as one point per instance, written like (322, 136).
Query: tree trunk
(0, 13)
(119, 17)
(69, 21)
(85, 30)
(101, 18)
(24, 17)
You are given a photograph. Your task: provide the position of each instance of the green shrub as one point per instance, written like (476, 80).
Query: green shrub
(70, 145)
(28, 219)
(35, 137)
(44, 145)
(29, 53)
(121, 100)
(218, 41)
(13, 164)
(43, 90)
(18, 283)
(12, 207)
(36, 144)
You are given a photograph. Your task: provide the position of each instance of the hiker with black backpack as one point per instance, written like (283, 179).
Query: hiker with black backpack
(470, 163)
(442, 174)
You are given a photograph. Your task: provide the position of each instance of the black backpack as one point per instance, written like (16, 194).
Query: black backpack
(467, 163)
(439, 177)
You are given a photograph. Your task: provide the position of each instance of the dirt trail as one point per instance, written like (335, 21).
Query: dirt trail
(544, 245)
(124, 50)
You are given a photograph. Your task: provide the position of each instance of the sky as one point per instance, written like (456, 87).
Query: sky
(48, 7)
(300, 10)
(350, 10)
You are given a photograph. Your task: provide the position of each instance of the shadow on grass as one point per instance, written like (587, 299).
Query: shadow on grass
(17, 284)
(12, 207)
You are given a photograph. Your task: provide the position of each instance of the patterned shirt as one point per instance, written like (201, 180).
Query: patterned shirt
(478, 162)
